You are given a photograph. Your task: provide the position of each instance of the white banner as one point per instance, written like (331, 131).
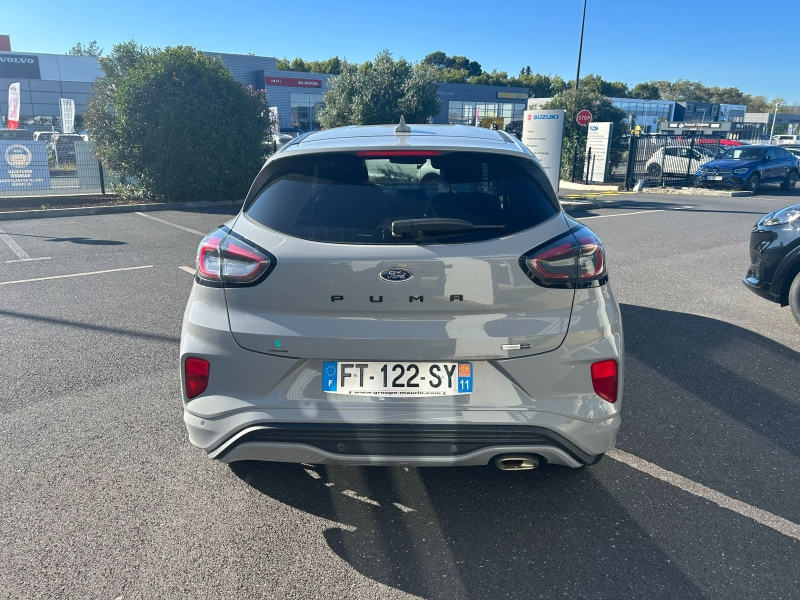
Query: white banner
(67, 115)
(598, 140)
(543, 134)
(13, 105)
(274, 123)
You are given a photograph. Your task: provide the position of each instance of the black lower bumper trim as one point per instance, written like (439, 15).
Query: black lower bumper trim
(408, 440)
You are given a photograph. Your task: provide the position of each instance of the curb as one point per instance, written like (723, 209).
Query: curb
(697, 192)
(47, 213)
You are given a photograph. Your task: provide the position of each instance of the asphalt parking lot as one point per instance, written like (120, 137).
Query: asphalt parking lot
(103, 496)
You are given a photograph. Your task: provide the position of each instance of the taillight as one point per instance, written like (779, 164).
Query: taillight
(605, 376)
(576, 259)
(196, 376)
(223, 258)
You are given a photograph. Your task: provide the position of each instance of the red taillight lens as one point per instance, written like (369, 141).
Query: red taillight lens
(208, 261)
(605, 377)
(196, 376)
(574, 260)
(223, 258)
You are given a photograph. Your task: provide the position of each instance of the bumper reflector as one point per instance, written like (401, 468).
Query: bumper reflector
(196, 375)
(605, 376)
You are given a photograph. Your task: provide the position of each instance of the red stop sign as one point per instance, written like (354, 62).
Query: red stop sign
(584, 117)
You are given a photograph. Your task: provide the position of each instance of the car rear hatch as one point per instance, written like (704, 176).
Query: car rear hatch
(344, 282)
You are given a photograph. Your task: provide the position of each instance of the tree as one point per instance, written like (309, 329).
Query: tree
(575, 135)
(332, 66)
(178, 122)
(440, 60)
(381, 91)
(645, 91)
(90, 49)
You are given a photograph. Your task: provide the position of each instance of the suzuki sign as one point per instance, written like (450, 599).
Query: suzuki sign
(543, 134)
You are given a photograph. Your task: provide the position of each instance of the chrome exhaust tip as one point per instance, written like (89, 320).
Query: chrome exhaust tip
(516, 463)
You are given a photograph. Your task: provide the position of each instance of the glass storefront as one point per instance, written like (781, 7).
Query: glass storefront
(463, 113)
(645, 113)
(305, 108)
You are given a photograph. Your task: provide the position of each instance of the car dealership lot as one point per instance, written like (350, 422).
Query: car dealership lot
(101, 494)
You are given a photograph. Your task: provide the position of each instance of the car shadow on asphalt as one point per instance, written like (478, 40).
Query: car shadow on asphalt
(681, 365)
(476, 532)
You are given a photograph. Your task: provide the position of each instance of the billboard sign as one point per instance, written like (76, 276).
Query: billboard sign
(23, 166)
(543, 134)
(67, 115)
(598, 140)
(19, 66)
(13, 105)
(293, 82)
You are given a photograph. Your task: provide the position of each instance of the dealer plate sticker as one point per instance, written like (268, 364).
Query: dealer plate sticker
(397, 378)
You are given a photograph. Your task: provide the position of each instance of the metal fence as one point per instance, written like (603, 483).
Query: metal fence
(664, 160)
(65, 166)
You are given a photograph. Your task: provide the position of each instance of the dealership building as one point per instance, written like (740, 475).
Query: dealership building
(44, 79)
(298, 97)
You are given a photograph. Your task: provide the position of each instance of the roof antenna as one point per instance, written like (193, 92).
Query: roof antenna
(402, 127)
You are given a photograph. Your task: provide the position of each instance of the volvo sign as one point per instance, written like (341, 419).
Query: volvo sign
(19, 66)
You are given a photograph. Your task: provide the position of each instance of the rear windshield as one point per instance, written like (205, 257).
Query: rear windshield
(354, 199)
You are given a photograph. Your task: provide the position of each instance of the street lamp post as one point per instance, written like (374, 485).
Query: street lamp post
(774, 118)
(577, 83)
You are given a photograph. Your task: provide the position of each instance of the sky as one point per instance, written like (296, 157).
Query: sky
(724, 43)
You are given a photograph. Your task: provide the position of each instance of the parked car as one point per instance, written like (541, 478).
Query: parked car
(782, 140)
(16, 134)
(343, 319)
(748, 167)
(62, 146)
(774, 271)
(677, 160)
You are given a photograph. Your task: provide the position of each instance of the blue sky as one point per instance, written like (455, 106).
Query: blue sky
(723, 42)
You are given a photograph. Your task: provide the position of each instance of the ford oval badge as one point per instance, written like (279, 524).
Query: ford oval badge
(396, 275)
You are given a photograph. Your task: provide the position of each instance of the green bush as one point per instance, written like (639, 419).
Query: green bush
(179, 123)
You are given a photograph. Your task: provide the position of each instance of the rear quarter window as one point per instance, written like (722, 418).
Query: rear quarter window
(348, 198)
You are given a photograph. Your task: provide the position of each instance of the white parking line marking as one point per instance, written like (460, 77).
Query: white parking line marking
(27, 259)
(13, 245)
(313, 474)
(200, 233)
(405, 509)
(189, 270)
(638, 212)
(352, 494)
(775, 522)
(75, 275)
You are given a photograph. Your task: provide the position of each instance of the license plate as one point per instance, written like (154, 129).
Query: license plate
(714, 177)
(397, 378)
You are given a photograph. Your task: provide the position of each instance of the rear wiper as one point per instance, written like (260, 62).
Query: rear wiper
(444, 226)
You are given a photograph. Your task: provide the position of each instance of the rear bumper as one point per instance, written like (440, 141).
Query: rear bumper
(398, 444)
(264, 407)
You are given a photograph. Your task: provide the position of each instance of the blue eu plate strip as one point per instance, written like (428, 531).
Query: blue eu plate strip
(330, 376)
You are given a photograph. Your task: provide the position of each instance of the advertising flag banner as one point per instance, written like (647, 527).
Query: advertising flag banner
(13, 105)
(543, 134)
(274, 123)
(67, 115)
